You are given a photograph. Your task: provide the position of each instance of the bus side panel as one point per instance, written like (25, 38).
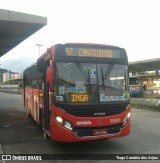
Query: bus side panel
(33, 103)
(28, 99)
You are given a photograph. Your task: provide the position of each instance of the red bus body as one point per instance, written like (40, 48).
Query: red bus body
(52, 111)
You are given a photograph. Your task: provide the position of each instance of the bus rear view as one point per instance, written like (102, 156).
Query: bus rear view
(88, 96)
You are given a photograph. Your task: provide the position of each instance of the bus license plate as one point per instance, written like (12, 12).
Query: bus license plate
(100, 132)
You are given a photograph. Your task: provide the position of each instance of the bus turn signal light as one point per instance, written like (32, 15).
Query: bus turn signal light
(40, 94)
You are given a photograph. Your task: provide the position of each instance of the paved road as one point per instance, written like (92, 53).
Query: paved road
(19, 135)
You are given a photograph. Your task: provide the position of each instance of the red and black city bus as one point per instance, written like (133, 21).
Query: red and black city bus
(79, 92)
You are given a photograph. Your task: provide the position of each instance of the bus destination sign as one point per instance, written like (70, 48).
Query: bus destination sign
(88, 52)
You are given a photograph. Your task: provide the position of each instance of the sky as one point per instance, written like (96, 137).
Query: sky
(130, 24)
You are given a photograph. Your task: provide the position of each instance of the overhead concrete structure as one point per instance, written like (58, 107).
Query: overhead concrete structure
(15, 27)
(145, 65)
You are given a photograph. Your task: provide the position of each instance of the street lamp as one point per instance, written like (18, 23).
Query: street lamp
(39, 45)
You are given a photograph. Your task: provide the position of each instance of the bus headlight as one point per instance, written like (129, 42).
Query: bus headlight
(128, 115)
(126, 119)
(59, 119)
(63, 122)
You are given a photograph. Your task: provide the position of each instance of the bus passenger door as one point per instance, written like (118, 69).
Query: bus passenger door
(46, 106)
(47, 111)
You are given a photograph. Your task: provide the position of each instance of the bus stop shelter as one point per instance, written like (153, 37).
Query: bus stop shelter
(145, 65)
(136, 68)
(149, 73)
(15, 27)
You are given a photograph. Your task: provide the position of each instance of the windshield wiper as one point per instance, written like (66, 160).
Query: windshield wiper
(108, 71)
(82, 72)
(103, 82)
(106, 74)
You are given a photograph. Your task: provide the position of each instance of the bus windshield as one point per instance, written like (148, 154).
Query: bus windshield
(90, 83)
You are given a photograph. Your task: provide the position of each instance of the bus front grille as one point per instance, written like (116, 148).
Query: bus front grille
(85, 132)
(97, 111)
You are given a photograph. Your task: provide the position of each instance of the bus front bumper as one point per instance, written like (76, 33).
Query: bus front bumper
(59, 133)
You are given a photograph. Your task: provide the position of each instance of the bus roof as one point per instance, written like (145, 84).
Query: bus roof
(94, 44)
(89, 45)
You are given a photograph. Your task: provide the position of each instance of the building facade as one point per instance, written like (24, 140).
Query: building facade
(11, 76)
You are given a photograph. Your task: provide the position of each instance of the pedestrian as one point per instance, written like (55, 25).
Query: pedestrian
(144, 88)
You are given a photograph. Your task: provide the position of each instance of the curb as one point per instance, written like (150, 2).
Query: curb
(12, 91)
(149, 104)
